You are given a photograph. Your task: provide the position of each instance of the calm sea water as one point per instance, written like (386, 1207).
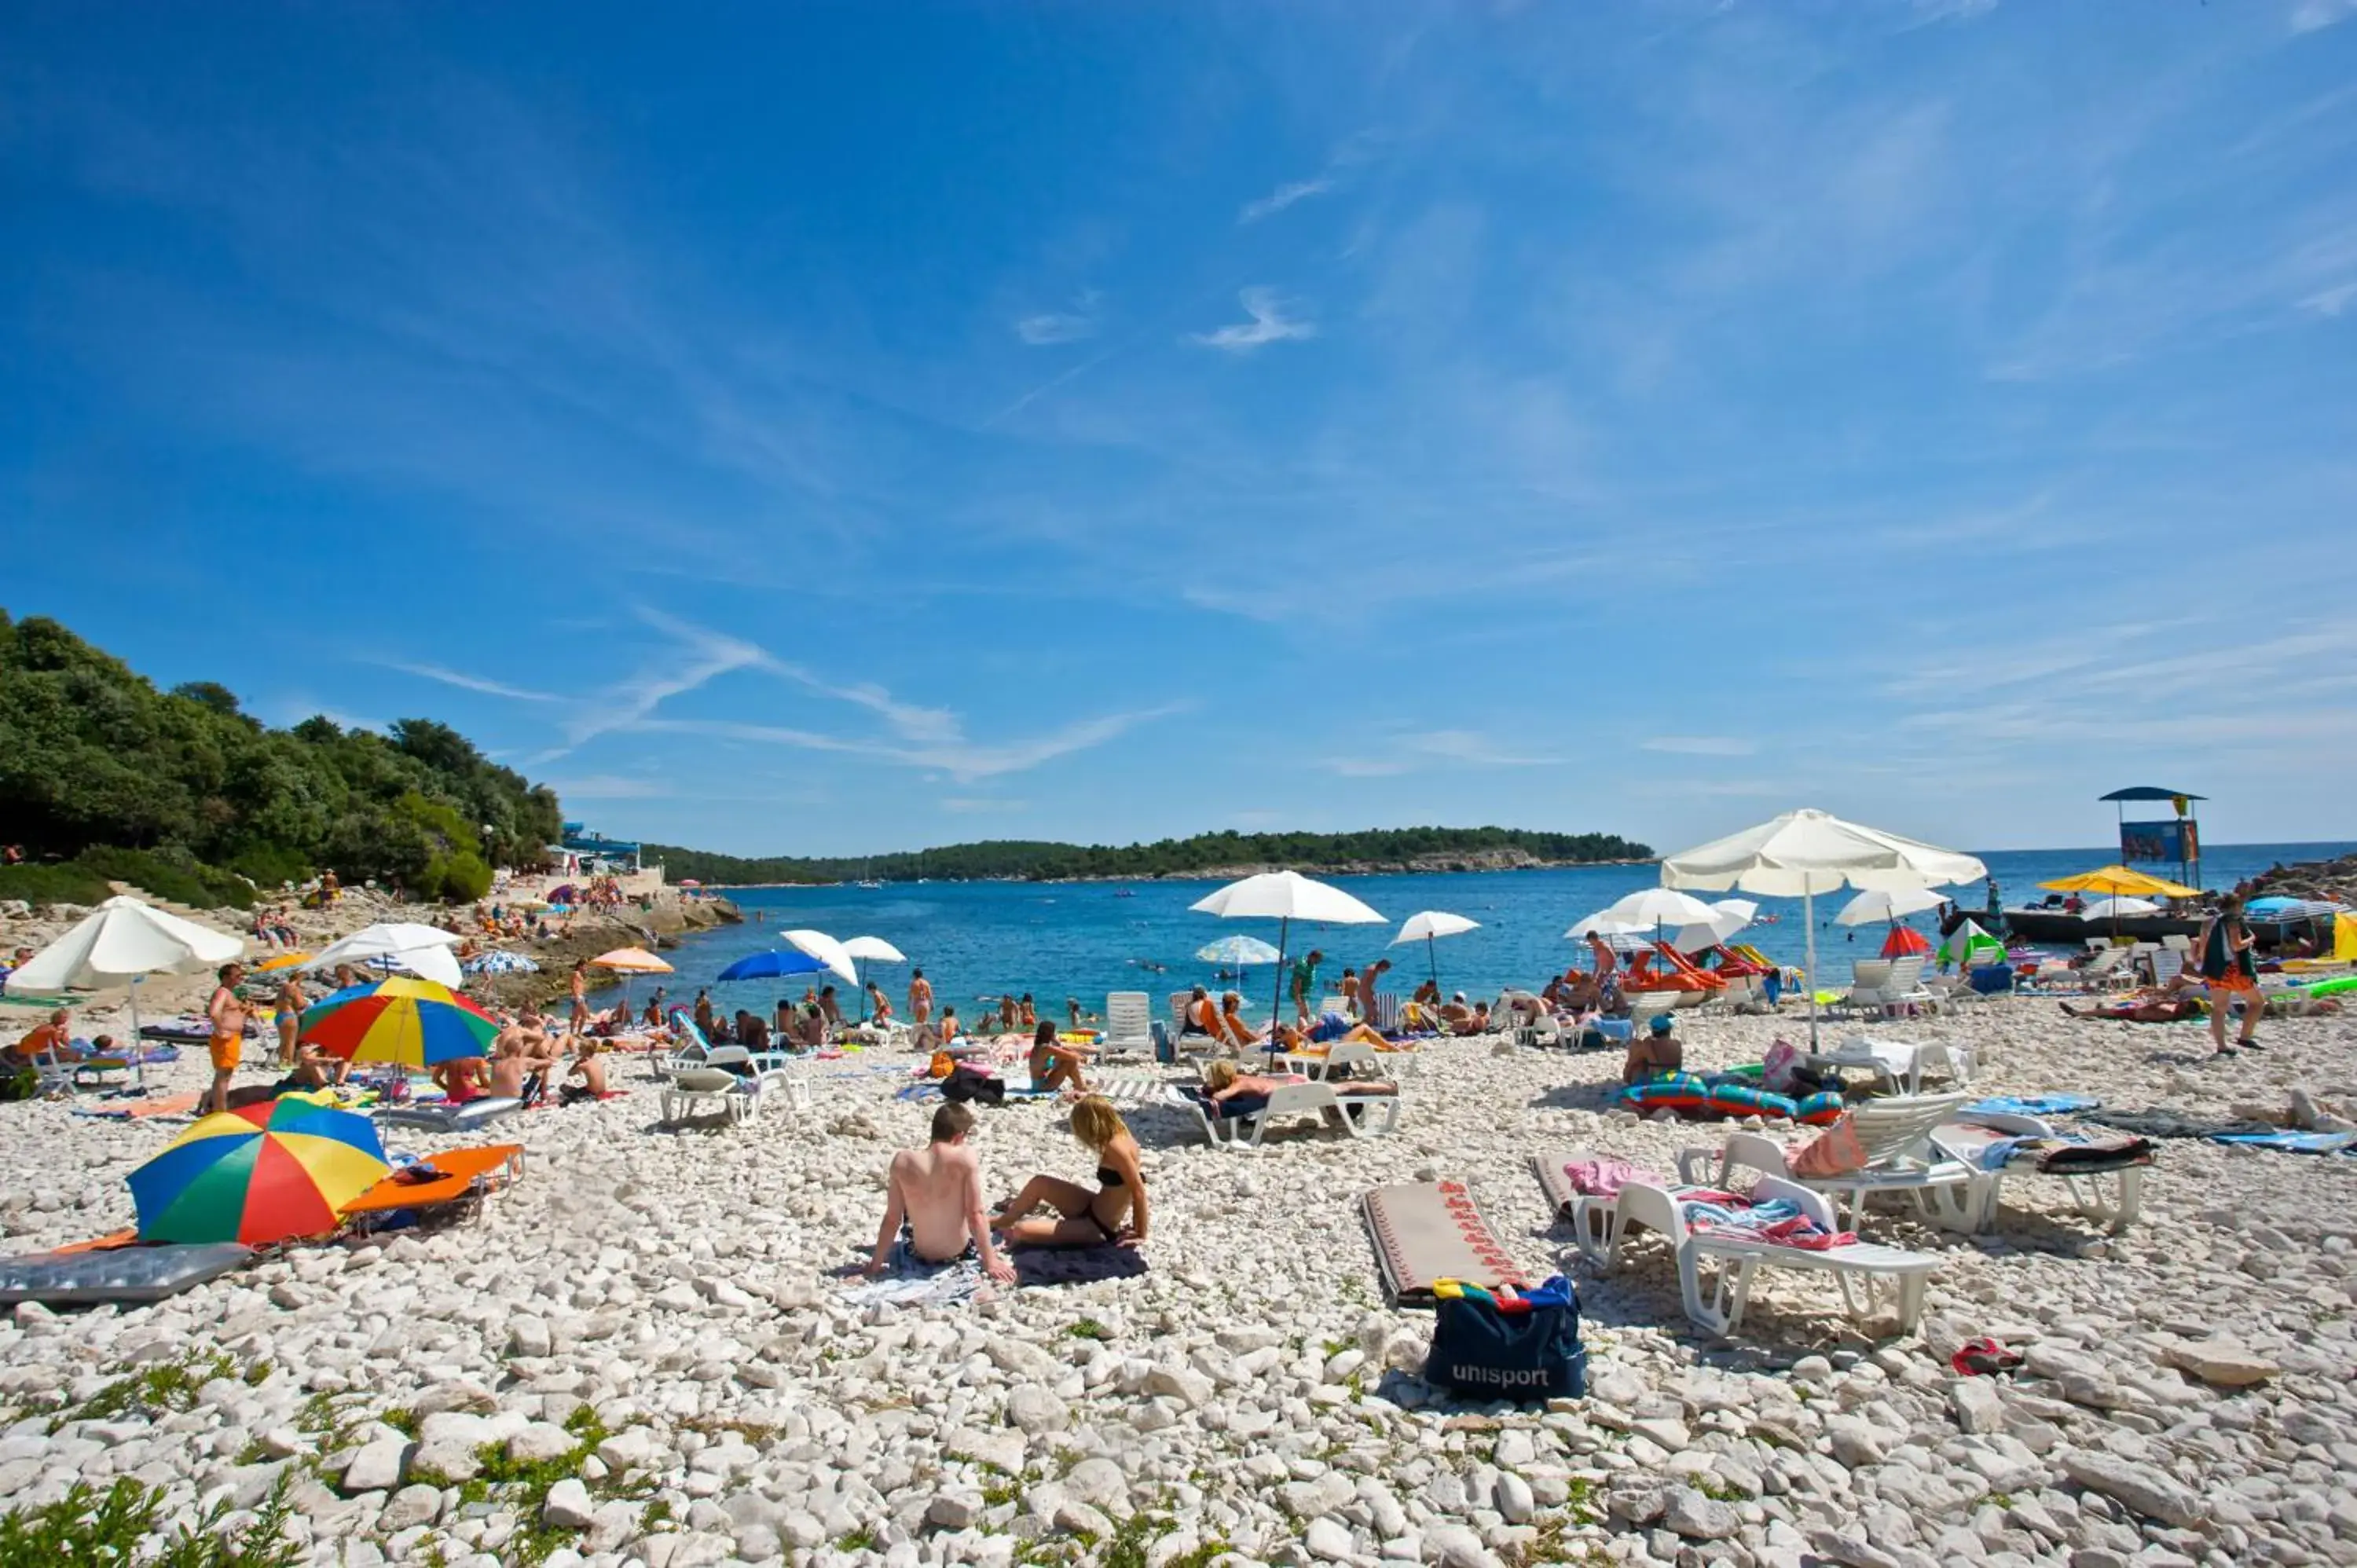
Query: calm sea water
(1082, 939)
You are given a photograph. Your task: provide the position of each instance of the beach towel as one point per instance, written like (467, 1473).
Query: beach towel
(908, 1281)
(2293, 1143)
(139, 1110)
(2035, 1105)
(1048, 1268)
(2164, 1123)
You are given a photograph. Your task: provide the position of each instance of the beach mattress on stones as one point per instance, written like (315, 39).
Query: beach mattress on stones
(124, 1274)
(448, 1117)
(1428, 1231)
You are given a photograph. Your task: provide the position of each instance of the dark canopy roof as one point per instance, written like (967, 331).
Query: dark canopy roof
(2146, 792)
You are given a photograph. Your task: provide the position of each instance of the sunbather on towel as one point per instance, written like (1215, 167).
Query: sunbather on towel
(934, 1200)
(1222, 1082)
(1084, 1218)
(2139, 1010)
(1055, 1065)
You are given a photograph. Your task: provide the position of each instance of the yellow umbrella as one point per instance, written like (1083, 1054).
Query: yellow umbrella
(631, 961)
(2116, 880)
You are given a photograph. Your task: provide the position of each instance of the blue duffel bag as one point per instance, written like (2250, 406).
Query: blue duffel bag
(1484, 1349)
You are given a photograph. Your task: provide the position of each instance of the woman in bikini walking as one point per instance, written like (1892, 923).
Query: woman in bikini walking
(2230, 973)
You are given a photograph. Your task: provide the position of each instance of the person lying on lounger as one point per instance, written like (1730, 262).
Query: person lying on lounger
(934, 1200)
(1331, 1029)
(1222, 1082)
(1084, 1216)
(1055, 1065)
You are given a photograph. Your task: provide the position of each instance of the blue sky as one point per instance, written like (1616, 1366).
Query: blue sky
(827, 428)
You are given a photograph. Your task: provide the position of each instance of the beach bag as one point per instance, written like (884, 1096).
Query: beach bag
(942, 1065)
(1832, 1153)
(970, 1084)
(1487, 1349)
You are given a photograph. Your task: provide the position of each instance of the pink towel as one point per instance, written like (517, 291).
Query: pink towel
(1604, 1177)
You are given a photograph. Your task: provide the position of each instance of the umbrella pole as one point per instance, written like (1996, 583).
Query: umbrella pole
(138, 1046)
(1276, 1002)
(1432, 961)
(1809, 913)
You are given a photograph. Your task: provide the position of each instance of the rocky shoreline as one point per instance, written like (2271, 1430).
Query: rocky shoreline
(642, 1354)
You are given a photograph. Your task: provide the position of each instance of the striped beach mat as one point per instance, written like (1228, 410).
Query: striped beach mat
(1132, 1088)
(1428, 1231)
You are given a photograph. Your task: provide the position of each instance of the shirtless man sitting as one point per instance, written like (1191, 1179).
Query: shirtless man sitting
(935, 1194)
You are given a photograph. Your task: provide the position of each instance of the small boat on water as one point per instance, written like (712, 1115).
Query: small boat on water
(2060, 927)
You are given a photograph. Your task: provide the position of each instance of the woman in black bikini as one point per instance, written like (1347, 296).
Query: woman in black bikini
(1084, 1216)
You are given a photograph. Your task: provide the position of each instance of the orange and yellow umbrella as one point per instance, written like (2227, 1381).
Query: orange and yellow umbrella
(630, 961)
(261, 1173)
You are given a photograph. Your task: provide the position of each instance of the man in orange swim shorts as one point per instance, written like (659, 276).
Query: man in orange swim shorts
(227, 1011)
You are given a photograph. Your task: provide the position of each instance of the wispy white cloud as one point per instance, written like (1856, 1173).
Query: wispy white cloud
(1700, 745)
(962, 761)
(698, 656)
(1061, 326)
(464, 682)
(1397, 753)
(1269, 324)
(2331, 301)
(2311, 16)
(1470, 745)
(1283, 196)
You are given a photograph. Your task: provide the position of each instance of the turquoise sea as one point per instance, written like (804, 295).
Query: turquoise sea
(1058, 940)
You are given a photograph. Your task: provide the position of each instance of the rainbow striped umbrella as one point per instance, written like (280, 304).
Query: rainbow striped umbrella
(262, 1174)
(415, 1022)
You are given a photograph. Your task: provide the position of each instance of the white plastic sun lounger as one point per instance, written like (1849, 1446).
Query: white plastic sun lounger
(1129, 1026)
(1871, 1277)
(1359, 1115)
(1900, 1065)
(2112, 1198)
(1895, 1135)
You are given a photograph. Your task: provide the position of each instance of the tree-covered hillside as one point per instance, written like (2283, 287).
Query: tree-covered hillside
(101, 770)
(1020, 858)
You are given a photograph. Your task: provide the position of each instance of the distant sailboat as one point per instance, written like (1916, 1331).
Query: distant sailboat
(866, 875)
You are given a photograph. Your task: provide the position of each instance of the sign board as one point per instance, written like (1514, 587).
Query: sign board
(2170, 841)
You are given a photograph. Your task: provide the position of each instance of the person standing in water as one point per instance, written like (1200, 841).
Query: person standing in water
(921, 998)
